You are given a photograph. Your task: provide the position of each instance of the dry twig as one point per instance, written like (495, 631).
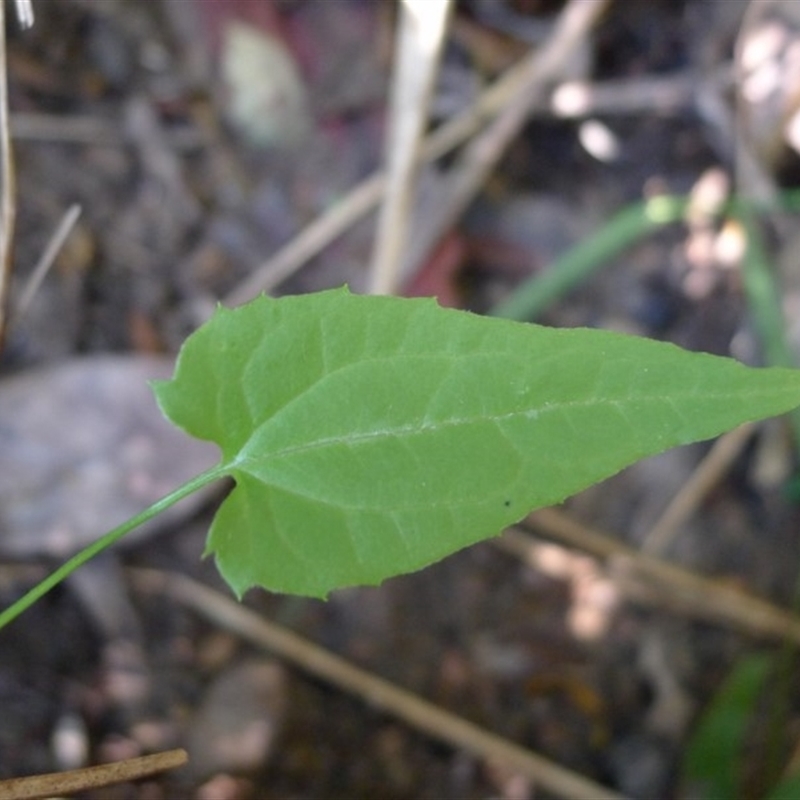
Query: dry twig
(58, 784)
(46, 261)
(382, 694)
(24, 13)
(469, 174)
(649, 580)
(708, 473)
(420, 36)
(366, 195)
(644, 94)
(8, 208)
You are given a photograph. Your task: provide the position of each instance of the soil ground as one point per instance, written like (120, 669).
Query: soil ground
(119, 106)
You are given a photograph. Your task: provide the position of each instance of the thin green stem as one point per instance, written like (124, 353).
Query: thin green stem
(79, 559)
(763, 298)
(626, 228)
(630, 225)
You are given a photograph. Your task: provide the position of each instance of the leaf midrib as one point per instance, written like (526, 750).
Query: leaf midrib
(405, 430)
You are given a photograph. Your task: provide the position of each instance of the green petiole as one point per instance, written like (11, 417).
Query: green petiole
(96, 547)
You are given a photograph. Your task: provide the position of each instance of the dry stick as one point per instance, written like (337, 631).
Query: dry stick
(381, 694)
(643, 577)
(708, 473)
(79, 129)
(420, 35)
(479, 158)
(68, 128)
(360, 200)
(311, 240)
(7, 205)
(624, 95)
(366, 195)
(656, 94)
(58, 784)
(25, 13)
(46, 262)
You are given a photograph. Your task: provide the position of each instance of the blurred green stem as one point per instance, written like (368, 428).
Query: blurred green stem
(630, 225)
(763, 299)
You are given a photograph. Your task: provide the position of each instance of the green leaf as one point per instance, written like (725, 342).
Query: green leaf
(787, 789)
(371, 436)
(713, 759)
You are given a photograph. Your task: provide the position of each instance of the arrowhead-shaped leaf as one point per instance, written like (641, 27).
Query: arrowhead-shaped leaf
(370, 436)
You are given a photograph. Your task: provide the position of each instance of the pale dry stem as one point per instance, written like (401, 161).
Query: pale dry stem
(58, 784)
